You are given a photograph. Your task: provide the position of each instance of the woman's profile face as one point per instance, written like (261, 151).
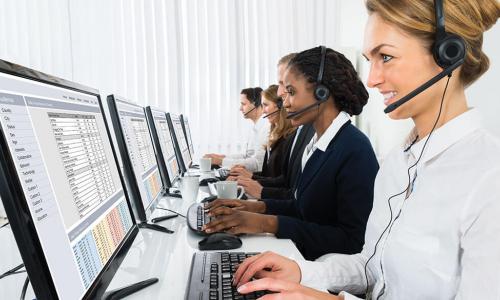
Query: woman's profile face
(298, 95)
(270, 107)
(399, 63)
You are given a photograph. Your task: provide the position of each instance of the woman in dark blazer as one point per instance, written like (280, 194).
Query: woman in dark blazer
(334, 193)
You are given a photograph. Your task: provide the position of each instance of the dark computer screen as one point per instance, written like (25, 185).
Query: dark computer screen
(180, 140)
(187, 133)
(140, 166)
(60, 183)
(166, 151)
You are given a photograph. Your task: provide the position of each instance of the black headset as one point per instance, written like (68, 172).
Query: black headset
(257, 100)
(279, 104)
(448, 48)
(321, 93)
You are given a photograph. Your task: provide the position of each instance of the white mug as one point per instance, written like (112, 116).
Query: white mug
(189, 186)
(229, 190)
(205, 164)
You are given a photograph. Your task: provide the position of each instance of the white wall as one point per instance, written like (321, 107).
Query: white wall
(194, 56)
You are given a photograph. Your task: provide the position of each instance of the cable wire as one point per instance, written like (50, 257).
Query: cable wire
(391, 222)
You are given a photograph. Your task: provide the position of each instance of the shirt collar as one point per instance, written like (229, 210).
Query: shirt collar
(330, 132)
(443, 137)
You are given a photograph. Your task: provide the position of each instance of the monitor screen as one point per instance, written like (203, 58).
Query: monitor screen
(138, 155)
(58, 165)
(166, 144)
(187, 132)
(181, 140)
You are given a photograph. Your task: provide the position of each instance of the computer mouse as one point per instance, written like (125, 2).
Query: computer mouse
(206, 181)
(220, 241)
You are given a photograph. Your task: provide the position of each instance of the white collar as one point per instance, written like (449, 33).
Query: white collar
(443, 137)
(330, 132)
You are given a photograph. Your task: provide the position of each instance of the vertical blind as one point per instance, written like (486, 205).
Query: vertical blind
(183, 56)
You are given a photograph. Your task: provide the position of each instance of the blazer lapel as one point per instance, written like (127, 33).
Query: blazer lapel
(313, 165)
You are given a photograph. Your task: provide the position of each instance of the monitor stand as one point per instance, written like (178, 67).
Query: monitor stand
(154, 227)
(128, 290)
(176, 193)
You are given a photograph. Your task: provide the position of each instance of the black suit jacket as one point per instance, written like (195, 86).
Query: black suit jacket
(282, 187)
(274, 160)
(334, 198)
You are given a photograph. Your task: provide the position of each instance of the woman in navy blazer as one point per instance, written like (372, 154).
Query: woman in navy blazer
(334, 193)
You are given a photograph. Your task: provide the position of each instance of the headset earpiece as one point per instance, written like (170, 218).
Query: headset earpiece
(257, 101)
(279, 104)
(448, 48)
(321, 92)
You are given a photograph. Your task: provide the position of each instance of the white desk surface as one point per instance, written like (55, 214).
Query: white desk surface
(152, 254)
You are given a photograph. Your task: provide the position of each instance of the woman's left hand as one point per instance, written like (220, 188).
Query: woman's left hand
(241, 172)
(284, 290)
(252, 187)
(236, 221)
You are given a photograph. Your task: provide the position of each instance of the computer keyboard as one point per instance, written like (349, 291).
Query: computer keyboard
(211, 276)
(222, 174)
(196, 217)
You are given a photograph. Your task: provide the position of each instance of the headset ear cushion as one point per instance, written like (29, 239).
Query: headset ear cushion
(448, 50)
(321, 93)
(279, 104)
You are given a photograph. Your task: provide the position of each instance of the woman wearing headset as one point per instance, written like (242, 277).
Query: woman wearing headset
(438, 238)
(334, 193)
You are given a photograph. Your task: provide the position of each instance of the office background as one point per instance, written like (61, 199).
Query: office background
(194, 56)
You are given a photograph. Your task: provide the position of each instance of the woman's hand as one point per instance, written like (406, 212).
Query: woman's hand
(285, 290)
(216, 158)
(252, 187)
(267, 265)
(236, 221)
(240, 172)
(243, 205)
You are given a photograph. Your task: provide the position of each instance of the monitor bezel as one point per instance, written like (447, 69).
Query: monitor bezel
(167, 181)
(142, 213)
(178, 153)
(18, 212)
(187, 134)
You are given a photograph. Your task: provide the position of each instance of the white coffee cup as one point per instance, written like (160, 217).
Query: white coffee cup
(229, 190)
(189, 186)
(205, 164)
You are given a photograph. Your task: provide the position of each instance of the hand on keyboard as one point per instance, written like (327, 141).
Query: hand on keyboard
(236, 221)
(243, 205)
(267, 264)
(286, 290)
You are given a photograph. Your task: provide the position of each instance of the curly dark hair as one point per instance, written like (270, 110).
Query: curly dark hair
(349, 93)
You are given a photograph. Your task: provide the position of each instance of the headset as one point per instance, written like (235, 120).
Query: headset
(257, 101)
(448, 51)
(279, 105)
(321, 92)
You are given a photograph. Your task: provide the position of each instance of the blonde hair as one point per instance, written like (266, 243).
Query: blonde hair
(283, 127)
(466, 18)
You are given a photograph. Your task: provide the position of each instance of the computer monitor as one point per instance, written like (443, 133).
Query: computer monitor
(140, 167)
(164, 145)
(60, 184)
(181, 145)
(187, 134)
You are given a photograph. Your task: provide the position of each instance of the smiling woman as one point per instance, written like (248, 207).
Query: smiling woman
(433, 230)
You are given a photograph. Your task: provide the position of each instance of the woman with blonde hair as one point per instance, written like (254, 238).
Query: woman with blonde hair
(279, 135)
(433, 232)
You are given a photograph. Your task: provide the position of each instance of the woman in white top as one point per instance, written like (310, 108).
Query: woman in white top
(434, 231)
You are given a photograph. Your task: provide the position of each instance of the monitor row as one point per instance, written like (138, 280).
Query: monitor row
(73, 212)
